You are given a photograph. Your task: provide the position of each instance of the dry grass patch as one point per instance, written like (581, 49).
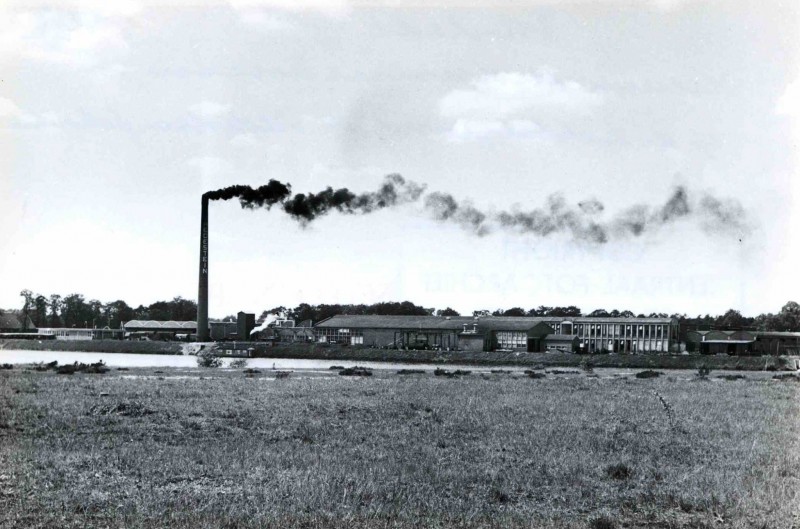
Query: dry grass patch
(397, 452)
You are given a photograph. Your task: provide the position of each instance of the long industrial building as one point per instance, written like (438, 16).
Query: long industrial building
(492, 333)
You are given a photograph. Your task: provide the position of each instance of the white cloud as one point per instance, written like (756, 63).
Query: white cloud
(263, 20)
(209, 109)
(67, 36)
(90, 38)
(465, 130)
(329, 7)
(208, 165)
(247, 139)
(8, 109)
(508, 94)
(789, 102)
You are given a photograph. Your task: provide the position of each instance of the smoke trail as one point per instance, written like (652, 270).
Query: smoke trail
(260, 197)
(303, 207)
(582, 222)
(394, 191)
(556, 217)
(723, 216)
(444, 208)
(638, 219)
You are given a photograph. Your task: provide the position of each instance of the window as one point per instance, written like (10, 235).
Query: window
(345, 336)
(511, 340)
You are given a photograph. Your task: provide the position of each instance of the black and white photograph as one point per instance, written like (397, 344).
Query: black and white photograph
(458, 264)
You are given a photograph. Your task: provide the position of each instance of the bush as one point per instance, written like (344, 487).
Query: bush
(238, 363)
(587, 365)
(356, 372)
(602, 522)
(411, 372)
(207, 358)
(703, 371)
(648, 373)
(619, 471)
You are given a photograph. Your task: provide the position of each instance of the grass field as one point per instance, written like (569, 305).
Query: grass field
(323, 451)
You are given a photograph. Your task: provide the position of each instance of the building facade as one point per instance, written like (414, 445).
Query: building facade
(493, 333)
(620, 335)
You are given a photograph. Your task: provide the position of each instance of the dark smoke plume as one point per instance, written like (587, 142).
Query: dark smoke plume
(260, 197)
(444, 207)
(557, 217)
(582, 221)
(394, 191)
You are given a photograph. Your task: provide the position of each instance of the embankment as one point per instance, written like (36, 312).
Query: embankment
(328, 352)
(745, 363)
(95, 346)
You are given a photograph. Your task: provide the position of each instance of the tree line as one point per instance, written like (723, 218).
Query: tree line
(788, 319)
(74, 310)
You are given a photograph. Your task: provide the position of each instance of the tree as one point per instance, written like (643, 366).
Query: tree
(118, 313)
(99, 314)
(27, 307)
(447, 312)
(160, 311)
(571, 311)
(732, 319)
(76, 312)
(40, 311)
(788, 319)
(55, 310)
(599, 313)
(514, 312)
(183, 309)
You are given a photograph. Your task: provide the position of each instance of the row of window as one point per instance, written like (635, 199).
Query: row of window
(604, 330)
(625, 345)
(342, 336)
(511, 339)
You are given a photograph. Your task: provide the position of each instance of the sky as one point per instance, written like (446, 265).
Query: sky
(115, 119)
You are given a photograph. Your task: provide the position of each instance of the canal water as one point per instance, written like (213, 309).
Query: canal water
(187, 361)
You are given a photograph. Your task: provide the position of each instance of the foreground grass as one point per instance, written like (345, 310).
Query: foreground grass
(394, 451)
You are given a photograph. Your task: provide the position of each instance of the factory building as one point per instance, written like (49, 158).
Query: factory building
(184, 330)
(435, 332)
(620, 335)
(743, 342)
(494, 333)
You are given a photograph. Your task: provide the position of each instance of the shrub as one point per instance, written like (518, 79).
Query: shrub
(7, 366)
(356, 372)
(411, 372)
(534, 374)
(703, 371)
(648, 373)
(587, 365)
(602, 522)
(620, 471)
(732, 377)
(69, 369)
(207, 358)
(238, 363)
